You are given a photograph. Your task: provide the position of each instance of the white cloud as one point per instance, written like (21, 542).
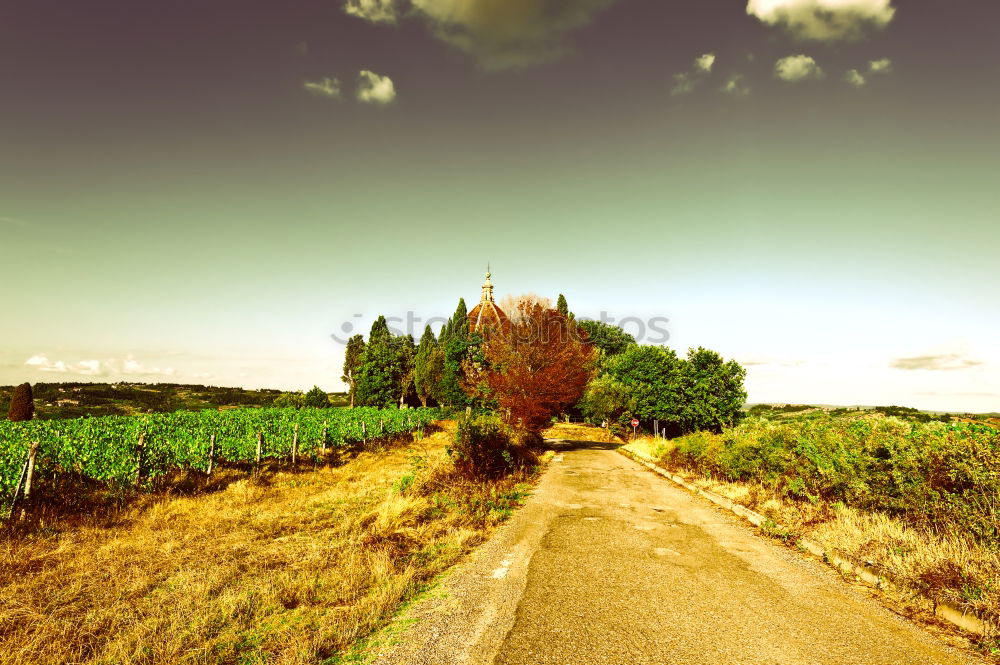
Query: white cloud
(328, 87)
(500, 34)
(376, 11)
(685, 83)
(883, 66)
(42, 363)
(703, 63)
(855, 78)
(375, 89)
(824, 20)
(736, 85)
(127, 367)
(797, 68)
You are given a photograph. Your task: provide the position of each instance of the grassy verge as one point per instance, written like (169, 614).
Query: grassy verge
(820, 482)
(285, 567)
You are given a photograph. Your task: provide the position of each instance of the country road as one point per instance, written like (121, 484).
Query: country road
(608, 563)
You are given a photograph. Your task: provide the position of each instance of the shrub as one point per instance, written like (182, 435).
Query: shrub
(483, 447)
(22, 404)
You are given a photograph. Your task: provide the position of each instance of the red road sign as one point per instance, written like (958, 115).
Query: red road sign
(635, 423)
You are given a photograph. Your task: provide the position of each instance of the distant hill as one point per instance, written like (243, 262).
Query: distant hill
(74, 400)
(776, 411)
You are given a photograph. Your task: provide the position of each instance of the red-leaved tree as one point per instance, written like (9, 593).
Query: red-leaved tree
(534, 368)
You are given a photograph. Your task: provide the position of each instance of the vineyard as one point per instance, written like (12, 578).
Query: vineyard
(122, 451)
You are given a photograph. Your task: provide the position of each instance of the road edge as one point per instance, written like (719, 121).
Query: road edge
(841, 561)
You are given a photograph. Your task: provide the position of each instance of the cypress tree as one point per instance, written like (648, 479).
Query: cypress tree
(22, 404)
(423, 378)
(562, 306)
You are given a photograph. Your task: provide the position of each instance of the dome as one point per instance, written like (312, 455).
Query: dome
(486, 313)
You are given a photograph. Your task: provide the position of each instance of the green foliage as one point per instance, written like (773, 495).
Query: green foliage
(22, 404)
(456, 343)
(653, 377)
(428, 367)
(607, 399)
(935, 475)
(316, 398)
(105, 449)
(483, 447)
(385, 368)
(290, 401)
(611, 340)
(561, 306)
(652, 383)
(352, 364)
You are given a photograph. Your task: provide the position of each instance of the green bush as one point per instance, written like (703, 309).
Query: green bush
(483, 447)
(939, 476)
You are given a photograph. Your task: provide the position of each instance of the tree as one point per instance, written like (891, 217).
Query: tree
(352, 363)
(653, 377)
(316, 398)
(426, 374)
(713, 391)
(456, 350)
(607, 399)
(22, 404)
(385, 367)
(290, 401)
(533, 368)
(610, 339)
(561, 305)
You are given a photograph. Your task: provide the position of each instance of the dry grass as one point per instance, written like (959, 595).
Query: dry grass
(282, 568)
(942, 566)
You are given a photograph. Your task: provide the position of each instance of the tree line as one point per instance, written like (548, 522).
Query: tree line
(542, 363)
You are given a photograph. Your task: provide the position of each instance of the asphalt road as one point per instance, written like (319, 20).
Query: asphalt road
(608, 563)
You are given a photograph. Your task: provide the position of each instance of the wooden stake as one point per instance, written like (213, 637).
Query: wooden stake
(295, 445)
(324, 436)
(28, 476)
(364, 433)
(17, 488)
(138, 461)
(211, 454)
(260, 445)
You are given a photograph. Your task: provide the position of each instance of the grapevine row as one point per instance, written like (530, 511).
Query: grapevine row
(107, 449)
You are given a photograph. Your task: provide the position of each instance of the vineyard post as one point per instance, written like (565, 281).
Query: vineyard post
(17, 488)
(324, 436)
(260, 445)
(32, 452)
(138, 456)
(381, 427)
(211, 454)
(364, 434)
(295, 444)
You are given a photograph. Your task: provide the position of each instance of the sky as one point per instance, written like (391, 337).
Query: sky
(213, 191)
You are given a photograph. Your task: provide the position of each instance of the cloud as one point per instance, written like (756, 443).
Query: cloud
(824, 20)
(883, 66)
(855, 78)
(703, 63)
(686, 82)
(127, 367)
(736, 85)
(328, 87)
(940, 362)
(797, 68)
(500, 34)
(376, 11)
(375, 89)
(13, 221)
(83, 368)
(875, 68)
